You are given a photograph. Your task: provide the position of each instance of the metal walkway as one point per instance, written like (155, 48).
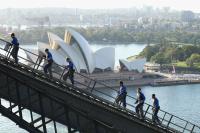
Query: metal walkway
(84, 107)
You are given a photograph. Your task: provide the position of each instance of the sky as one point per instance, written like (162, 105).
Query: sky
(193, 5)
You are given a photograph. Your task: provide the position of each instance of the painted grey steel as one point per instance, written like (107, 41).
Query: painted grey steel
(84, 99)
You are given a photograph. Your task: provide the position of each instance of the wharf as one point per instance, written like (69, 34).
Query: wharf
(138, 79)
(168, 82)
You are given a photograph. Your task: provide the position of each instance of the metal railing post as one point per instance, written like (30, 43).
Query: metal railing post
(163, 117)
(93, 86)
(9, 52)
(88, 86)
(169, 121)
(146, 110)
(62, 74)
(192, 129)
(36, 62)
(185, 126)
(40, 60)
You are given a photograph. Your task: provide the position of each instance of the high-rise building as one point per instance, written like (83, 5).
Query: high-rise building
(187, 16)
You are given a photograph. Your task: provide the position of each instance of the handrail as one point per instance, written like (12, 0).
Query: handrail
(81, 83)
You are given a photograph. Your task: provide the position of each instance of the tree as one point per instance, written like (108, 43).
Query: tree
(160, 59)
(149, 51)
(189, 50)
(179, 54)
(194, 58)
(189, 62)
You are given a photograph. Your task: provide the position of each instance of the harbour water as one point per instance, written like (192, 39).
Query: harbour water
(182, 100)
(122, 51)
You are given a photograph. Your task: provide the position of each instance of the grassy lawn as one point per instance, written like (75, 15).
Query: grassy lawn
(197, 65)
(183, 64)
(130, 58)
(180, 64)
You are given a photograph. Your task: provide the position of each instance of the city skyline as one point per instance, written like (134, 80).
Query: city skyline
(193, 5)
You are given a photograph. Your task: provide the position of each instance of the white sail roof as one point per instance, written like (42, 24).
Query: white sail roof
(79, 51)
(105, 58)
(136, 64)
(67, 50)
(83, 46)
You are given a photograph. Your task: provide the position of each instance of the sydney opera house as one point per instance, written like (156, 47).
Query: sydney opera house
(77, 48)
(136, 64)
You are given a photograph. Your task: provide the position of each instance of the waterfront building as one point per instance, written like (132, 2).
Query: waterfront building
(77, 48)
(135, 64)
(151, 67)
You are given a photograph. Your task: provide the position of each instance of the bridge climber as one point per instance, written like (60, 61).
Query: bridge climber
(140, 103)
(48, 66)
(70, 71)
(15, 49)
(121, 97)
